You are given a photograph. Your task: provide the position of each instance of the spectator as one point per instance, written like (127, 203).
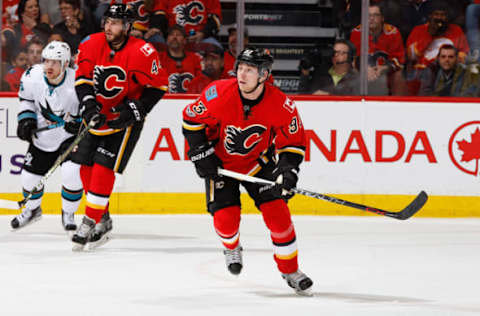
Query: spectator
(212, 69)
(413, 13)
(472, 17)
(386, 54)
(34, 51)
(19, 64)
(73, 28)
(340, 79)
(447, 77)
(51, 14)
(17, 36)
(200, 18)
(181, 65)
(231, 54)
(425, 40)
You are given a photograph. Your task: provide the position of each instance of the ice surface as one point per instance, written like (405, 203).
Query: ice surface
(173, 265)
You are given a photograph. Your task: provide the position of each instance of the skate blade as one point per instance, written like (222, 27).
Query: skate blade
(307, 292)
(102, 241)
(76, 247)
(36, 219)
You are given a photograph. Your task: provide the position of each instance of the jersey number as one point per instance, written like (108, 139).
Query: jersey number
(154, 67)
(293, 126)
(199, 108)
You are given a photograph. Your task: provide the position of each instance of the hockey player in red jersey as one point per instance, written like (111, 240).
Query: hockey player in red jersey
(118, 82)
(241, 124)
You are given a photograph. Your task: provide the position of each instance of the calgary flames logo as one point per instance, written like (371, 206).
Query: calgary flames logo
(190, 13)
(240, 141)
(176, 82)
(464, 147)
(109, 81)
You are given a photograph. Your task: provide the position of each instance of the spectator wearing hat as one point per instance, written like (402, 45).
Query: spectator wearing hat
(212, 69)
(231, 54)
(181, 65)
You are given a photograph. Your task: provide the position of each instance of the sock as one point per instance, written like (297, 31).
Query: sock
(227, 222)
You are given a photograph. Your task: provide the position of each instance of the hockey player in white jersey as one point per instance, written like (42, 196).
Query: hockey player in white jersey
(47, 98)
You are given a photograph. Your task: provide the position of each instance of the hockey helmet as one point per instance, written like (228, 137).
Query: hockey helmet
(257, 57)
(119, 11)
(57, 50)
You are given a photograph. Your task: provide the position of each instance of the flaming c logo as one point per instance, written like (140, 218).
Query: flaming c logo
(464, 147)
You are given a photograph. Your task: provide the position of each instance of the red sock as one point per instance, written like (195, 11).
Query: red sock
(276, 216)
(226, 222)
(85, 175)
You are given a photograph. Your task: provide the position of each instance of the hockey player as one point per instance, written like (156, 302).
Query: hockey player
(231, 125)
(118, 81)
(47, 96)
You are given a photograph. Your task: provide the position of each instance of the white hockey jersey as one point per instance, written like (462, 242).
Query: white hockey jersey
(51, 104)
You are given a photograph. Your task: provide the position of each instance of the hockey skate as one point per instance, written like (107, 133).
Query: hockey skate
(233, 260)
(299, 282)
(81, 236)
(27, 217)
(101, 232)
(68, 223)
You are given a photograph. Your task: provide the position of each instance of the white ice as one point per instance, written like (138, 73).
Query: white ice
(174, 265)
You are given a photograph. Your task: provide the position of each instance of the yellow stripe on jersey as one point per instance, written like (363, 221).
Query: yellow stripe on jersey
(84, 81)
(295, 150)
(122, 148)
(104, 132)
(287, 257)
(193, 127)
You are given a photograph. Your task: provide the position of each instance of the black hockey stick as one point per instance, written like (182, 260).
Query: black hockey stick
(406, 213)
(9, 204)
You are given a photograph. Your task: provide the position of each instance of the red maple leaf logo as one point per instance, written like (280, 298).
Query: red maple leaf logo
(471, 150)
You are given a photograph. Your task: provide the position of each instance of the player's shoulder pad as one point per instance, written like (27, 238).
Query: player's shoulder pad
(218, 88)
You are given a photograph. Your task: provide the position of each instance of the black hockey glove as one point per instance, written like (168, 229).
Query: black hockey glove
(206, 161)
(72, 126)
(91, 109)
(25, 129)
(131, 112)
(286, 178)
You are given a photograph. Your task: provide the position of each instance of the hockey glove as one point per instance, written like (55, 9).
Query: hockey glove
(286, 179)
(72, 126)
(131, 112)
(25, 129)
(205, 160)
(91, 109)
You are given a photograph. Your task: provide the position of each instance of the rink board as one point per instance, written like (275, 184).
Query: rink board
(374, 152)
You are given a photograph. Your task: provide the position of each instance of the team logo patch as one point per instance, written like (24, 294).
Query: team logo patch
(191, 13)
(289, 105)
(211, 93)
(108, 81)
(240, 141)
(147, 49)
(177, 81)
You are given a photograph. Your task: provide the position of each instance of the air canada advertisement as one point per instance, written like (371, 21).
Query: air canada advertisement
(353, 147)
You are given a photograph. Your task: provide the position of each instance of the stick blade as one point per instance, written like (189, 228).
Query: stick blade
(11, 205)
(414, 206)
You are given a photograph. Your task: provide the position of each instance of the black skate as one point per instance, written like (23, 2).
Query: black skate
(299, 282)
(80, 238)
(233, 260)
(68, 222)
(27, 217)
(101, 232)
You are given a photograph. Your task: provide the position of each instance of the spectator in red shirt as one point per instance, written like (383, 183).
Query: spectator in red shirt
(386, 54)
(181, 65)
(19, 64)
(212, 69)
(425, 40)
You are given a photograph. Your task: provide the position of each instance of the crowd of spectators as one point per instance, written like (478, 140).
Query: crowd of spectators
(416, 47)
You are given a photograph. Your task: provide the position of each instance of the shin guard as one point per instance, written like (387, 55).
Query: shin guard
(99, 191)
(227, 222)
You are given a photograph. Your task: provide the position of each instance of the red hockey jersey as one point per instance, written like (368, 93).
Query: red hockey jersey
(389, 45)
(116, 75)
(423, 49)
(180, 71)
(243, 141)
(191, 14)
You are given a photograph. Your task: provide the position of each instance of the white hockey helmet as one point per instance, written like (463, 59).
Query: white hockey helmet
(57, 50)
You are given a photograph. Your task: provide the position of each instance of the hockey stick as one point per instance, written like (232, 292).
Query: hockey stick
(51, 126)
(8, 204)
(406, 213)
